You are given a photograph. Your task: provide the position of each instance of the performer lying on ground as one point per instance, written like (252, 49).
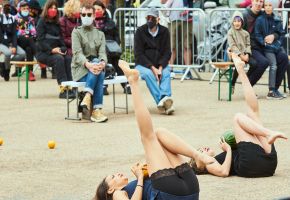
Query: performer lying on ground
(171, 177)
(255, 155)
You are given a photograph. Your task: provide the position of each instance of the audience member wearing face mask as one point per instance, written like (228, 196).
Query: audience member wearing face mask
(26, 34)
(69, 21)
(89, 45)
(105, 24)
(51, 49)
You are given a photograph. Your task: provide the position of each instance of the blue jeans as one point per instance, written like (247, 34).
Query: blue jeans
(157, 91)
(94, 85)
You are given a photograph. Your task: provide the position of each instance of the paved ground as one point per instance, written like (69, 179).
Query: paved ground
(86, 152)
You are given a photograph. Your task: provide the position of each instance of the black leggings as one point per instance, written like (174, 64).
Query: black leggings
(28, 45)
(179, 181)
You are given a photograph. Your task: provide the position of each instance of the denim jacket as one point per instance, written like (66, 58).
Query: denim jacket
(149, 193)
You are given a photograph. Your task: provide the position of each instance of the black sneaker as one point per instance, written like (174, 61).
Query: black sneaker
(43, 73)
(127, 89)
(6, 74)
(105, 91)
(71, 94)
(272, 95)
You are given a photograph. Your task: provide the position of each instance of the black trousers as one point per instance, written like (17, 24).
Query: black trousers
(60, 63)
(28, 45)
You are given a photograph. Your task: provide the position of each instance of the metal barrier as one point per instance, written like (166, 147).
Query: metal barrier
(187, 35)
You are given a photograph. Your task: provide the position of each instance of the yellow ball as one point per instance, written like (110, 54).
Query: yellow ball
(51, 144)
(1, 141)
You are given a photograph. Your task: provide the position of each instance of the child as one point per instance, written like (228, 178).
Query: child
(269, 34)
(239, 43)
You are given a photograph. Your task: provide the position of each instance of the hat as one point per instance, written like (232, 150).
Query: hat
(274, 3)
(152, 12)
(22, 3)
(34, 4)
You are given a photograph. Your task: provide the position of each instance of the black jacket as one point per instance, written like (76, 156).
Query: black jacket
(249, 25)
(8, 28)
(267, 25)
(48, 36)
(152, 51)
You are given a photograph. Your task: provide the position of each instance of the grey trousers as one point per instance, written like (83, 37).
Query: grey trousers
(273, 69)
(19, 56)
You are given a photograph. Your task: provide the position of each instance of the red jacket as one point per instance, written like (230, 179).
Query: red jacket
(67, 25)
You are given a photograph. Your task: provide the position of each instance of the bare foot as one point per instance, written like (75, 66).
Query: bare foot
(275, 136)
(131, 74)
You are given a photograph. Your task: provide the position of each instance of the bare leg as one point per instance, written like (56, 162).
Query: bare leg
(155, 156)
(187, 56)
(174, 144)
(173, 55)
(252, 127)
(263, 135)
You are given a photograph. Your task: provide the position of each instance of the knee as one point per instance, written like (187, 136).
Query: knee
(237, 117)
(159, 131)
(264, 63)
(148, 138)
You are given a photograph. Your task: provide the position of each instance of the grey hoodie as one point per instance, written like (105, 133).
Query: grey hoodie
(239, 40)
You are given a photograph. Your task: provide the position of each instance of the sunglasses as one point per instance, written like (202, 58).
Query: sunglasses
(86, 14)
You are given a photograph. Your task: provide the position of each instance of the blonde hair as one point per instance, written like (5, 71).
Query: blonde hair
(71, 7)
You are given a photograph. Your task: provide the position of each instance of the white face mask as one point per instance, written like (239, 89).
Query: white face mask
(87, 21)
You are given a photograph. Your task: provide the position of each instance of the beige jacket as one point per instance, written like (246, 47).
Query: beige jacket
(86, 41)
(239, 40)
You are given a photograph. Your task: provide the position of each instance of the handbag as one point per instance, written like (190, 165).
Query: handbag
(113, 48)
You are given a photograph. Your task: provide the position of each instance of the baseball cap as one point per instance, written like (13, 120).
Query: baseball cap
(152, 12)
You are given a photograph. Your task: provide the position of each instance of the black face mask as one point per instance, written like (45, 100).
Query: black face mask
(152, 23)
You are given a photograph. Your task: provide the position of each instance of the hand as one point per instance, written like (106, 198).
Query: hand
(93, 68)
(13, 50)
(55, 50)
(155, 72)
(269, 39)
(160, 73)
(137, 170)
(224, 146)
(244, 57)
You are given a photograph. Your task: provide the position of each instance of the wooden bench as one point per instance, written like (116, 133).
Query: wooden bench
(76, 85)
(225, 69)
(26, 64)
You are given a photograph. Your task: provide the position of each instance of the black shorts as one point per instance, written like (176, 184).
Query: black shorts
(252, 161)
(180, 181)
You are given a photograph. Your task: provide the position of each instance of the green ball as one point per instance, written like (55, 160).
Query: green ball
(229, 136)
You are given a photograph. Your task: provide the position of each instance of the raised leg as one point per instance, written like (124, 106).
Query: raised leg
(155, 156)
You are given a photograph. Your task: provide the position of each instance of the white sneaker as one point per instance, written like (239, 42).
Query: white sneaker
(165, 103)
(170, 110)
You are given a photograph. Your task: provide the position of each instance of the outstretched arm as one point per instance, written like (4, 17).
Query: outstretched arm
(249, 93)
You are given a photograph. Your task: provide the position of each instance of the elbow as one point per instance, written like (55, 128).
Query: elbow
(224, 173)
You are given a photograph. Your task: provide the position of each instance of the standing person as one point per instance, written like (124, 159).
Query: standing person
(69, 21)
(171, 178)
(266, 25)
(250, 15)
(89, 61)
(26, 33)
(239, 43)
(109, 28)
(51, 49)
(180, 24)
(8, 41)
(152, 54)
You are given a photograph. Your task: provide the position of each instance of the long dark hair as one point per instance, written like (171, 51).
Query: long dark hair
(48, 5)
(102, 191)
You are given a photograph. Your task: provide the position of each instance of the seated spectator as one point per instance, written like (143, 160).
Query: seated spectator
(269, 34)
(51, 49)
(8, 41)
(69, 21)
(88, 63)
(26, 33)
(152, 55)
(239, 43)
(109, 28)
